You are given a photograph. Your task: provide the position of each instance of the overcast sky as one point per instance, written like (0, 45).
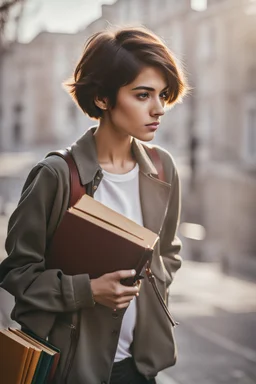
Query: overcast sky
(58, 16)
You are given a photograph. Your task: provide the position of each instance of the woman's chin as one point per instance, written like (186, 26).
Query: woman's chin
(146, 136)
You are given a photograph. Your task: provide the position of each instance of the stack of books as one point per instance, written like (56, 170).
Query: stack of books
(26, 358)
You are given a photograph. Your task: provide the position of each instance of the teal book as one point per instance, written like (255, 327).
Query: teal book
(36, 374)
(56, 357)
(44, 365)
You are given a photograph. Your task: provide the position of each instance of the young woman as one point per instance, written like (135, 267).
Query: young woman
(107, 332)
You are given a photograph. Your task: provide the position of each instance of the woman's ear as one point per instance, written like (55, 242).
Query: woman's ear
(101, 103)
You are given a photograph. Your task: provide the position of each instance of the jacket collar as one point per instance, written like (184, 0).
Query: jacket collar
(153, 192)
(85, 155)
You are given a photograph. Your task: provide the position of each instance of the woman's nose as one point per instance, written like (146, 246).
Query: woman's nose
(158, 108)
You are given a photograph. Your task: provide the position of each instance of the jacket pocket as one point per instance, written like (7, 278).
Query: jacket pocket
(64, 337)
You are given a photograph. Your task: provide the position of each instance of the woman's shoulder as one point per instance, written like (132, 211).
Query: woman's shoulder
(52, 168)
(56, 164)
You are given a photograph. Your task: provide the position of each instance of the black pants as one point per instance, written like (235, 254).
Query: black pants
(125, 372)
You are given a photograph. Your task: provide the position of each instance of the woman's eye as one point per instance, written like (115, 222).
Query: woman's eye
(164, 95)
(143, 96)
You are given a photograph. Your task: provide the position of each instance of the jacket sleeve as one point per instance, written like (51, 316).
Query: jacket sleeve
(170, 244)
(23, 272)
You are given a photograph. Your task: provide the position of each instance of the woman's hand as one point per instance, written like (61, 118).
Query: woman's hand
(108, 290)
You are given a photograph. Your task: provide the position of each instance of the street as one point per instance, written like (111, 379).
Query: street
(216, 336)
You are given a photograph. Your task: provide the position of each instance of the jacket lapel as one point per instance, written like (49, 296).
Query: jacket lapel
(154, 197)
(153, 192)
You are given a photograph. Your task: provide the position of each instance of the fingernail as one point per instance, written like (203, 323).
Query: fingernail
(133, 272)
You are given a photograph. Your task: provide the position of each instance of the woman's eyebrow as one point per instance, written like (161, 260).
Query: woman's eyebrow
(144, 87)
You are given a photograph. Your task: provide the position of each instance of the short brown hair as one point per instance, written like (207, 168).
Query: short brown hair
(114, 58)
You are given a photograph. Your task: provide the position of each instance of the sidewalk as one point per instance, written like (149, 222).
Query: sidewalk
(3, 230)
(201, 288)
(215, 338)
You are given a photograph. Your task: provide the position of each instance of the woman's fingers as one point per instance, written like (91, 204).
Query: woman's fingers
(122, 290)
(124, 299)
(138, 284)
(108, 290)
(120, 275)
(121, 306)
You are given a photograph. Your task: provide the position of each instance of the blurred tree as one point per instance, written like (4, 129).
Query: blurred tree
(6, 8)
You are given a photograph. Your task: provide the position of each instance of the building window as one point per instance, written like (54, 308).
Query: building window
(17, 129)
(249, 129)
(207, 42)
(251, 134)
(72, 116)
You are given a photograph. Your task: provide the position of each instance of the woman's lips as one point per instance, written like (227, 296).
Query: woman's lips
(152, 126)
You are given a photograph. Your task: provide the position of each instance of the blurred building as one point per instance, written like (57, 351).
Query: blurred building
(35, 109)
(225, 122)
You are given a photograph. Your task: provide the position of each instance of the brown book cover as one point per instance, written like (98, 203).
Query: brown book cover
(15, 358)
(95, 239)
(26, 367)
(32, 366)
(44, 345)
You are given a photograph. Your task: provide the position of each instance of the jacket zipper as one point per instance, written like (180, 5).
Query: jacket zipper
(71, 352)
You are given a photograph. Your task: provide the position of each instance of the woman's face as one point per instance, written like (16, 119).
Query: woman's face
(140, 105)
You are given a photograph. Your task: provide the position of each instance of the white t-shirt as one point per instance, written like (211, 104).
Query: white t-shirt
(120, 192)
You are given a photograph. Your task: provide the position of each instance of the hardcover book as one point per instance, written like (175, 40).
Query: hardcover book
(18, 358)
(95, 239)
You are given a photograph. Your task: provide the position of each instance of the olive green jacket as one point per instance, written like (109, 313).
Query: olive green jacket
(61, 307)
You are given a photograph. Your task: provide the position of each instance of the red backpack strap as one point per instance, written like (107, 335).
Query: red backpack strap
(77, 190)
(155, 158)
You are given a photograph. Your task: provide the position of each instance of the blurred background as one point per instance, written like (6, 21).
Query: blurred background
(212, 136)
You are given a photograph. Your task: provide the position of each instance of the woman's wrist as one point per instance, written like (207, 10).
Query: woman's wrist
(92, 290)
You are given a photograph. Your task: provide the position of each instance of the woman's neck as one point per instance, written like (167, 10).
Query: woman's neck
(113, 149)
